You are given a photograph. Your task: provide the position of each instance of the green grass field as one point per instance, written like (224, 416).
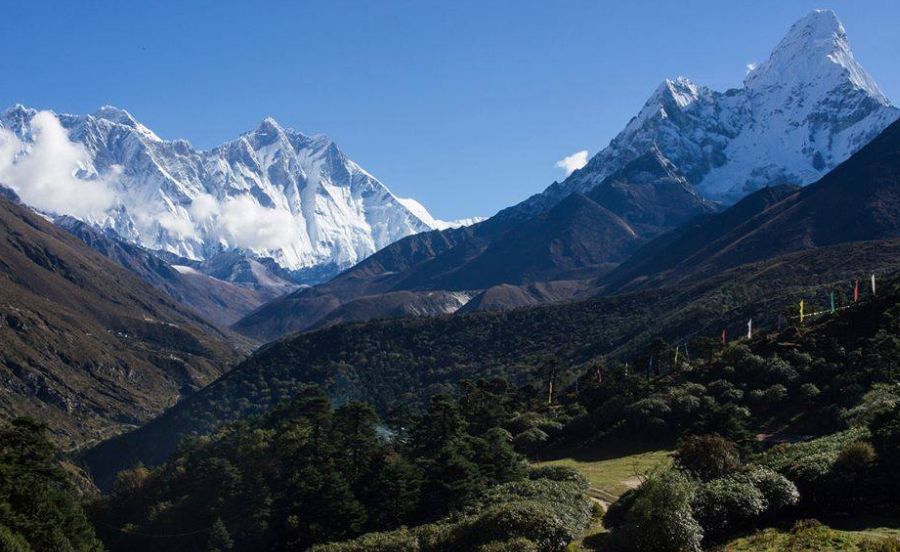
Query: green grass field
(614, 476)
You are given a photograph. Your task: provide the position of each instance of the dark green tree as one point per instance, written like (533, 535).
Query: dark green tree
(219, 538)
(38, 503)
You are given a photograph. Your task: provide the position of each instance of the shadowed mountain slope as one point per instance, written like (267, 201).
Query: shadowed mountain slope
(84, 344)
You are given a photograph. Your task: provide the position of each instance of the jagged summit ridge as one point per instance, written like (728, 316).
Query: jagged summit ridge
(800, 113)
(272, 192)
(816, 47)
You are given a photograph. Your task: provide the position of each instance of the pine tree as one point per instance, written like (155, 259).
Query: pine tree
(219, 538)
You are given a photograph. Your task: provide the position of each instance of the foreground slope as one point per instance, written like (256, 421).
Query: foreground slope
(85, 345)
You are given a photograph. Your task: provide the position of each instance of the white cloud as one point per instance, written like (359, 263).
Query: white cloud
(245, 223)
(750, 67)
(204, 206)
(182, 227)
(573, 162)
(237, 221)
(49, 172)
(54, 174)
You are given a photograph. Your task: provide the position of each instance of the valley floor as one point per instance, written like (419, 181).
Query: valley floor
(610, 477)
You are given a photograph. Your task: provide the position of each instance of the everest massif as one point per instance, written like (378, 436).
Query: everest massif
(273, 192)
(798, 115)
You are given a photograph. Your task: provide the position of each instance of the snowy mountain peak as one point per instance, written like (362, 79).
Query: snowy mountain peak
(119, 116)
(16, 110)
(268, 126)
(680, 90)
(272, 192)
(816, 48)
(800, 113)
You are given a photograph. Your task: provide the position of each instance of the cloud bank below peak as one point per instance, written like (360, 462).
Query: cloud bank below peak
(52, 173)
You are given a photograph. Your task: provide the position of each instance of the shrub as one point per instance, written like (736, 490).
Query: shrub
(778, 491)
(617, 512)
(559, 473)
(530, 440)
(724, 505)
(886, 438)
(400, 540)
(725, 391)
(513, 545)
(540, 515)
(708, 456)
(879, 545)
(857, 458)
(809, 391)
(879, 400)
(12, 542)
(658, 516)
(533, 521)
(775, 394)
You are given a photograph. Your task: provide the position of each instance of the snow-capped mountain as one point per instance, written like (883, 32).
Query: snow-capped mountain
(272, 192)
(798, 115)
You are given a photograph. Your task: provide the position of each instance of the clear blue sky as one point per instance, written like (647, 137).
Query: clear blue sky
(465, 105)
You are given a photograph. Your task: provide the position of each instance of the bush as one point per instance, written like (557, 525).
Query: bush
(12, 542)
(879, 545)
(559, 473)
(400, 540)
(708, 456)
(857, 458)
(809, 391)
(778, 491)
(530, 440)
(617, 512)
(878, 401)
(530, 520)
(886, 438)
(514, 545)
(725, 391)
(775, 394)
(658, 516)
(540, 515)
(726, 504)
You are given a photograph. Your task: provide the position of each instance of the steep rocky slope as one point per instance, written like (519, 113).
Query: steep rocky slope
(85, 345)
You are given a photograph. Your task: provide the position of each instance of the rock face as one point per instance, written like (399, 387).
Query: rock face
(272, 193)
(85, 345)
(220, 299)
(798, 115)
(858, 201)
